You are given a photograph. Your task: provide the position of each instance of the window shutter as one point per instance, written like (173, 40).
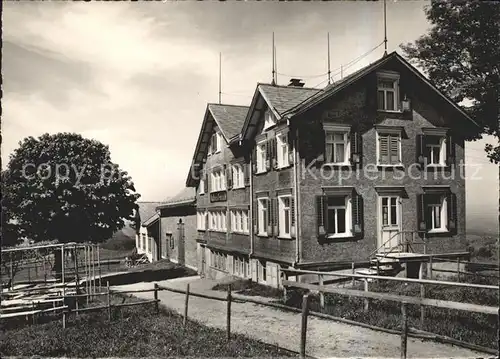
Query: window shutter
(229, 176)
(357, 215)
(384, 149)
(422, 226)
(246, 173)
(320, 216)
(206, 220)
(292, 214)
(275, 216)
(355, 139)
(371, 95)
(269, 154)
(254, 159)
(274, 152)
(205, 182)
(450, 151)
(255, 218)
(420, 146)
(229, 221)
(290, 150)
(394, 149)
(269, 217)
(451, 199)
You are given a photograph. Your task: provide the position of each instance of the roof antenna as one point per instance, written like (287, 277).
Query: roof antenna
(220, 76)
(273, 82)
(385, 28)
(329, 72)
(275, 66)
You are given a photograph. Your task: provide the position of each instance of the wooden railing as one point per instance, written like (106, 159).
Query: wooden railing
(404, 245)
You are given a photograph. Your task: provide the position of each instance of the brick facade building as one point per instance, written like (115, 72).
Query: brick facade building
(330, 176)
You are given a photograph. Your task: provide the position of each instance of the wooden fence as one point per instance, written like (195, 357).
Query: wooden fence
(422, 301)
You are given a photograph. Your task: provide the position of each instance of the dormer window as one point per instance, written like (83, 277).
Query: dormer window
(215, 143)
(270, 119)
(388, 91)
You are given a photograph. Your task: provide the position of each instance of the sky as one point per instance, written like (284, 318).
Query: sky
(137, 76)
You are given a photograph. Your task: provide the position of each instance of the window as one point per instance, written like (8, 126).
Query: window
(240, 266)
(285, 215)
(436, 213)
(201, 220)
(261, 157)
(389, 149)
(165, 243)
(337, 215)
(435, 150)
(218, 181)
(262, 216)
(239, 221)
(218, 260)
(217, 221)
(262, 271)
(337, 146)
(387, 92)
(270, 120)
(283, 150)
(389, 211)
(215, 143)
(238, 176)
(201, 186)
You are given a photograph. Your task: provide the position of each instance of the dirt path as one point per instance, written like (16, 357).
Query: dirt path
(324, 338)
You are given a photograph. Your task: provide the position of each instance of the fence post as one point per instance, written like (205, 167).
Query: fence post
(63, 309)
(404, 330)
(109, 302)
(429, 271)
(285, 276)
(321, 294)
(422, 295)
(157, 305)
(186, 303)
(303, 328)
(367, 303)
(228, 312)
(11, 273)
(352, 268)
(458, 269)
(33, 309)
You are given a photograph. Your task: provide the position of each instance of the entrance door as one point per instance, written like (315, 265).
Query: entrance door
(389, 223)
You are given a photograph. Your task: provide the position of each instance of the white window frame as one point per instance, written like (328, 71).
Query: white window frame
(262, 271)
(262, 219)
(218, 180)
(342, 130)
(201, 215)
(282, 149)
(385, 132)
(443, 216)
(217, 221)
(245, 221)
(389, 76)
(269, 119)
(283, 233)
(238, 176)
(348, 216)
(201, 186)
(261, 157)
(389, 224)
(442, 152)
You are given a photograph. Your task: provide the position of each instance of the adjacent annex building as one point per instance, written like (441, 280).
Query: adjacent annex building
(168, 229)
(367, 167)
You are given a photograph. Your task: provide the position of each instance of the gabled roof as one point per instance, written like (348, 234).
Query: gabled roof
(336, 87)
(279, 99)
(229, 119)
(185, 197)
(147, 210)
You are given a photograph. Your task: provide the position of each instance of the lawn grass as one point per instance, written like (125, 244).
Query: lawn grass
(475, 328)
(247, 287)
(134, 332)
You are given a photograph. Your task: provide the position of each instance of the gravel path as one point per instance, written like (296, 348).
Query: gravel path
(325, 338)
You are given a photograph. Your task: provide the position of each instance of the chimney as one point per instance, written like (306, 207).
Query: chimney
(296, 83)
